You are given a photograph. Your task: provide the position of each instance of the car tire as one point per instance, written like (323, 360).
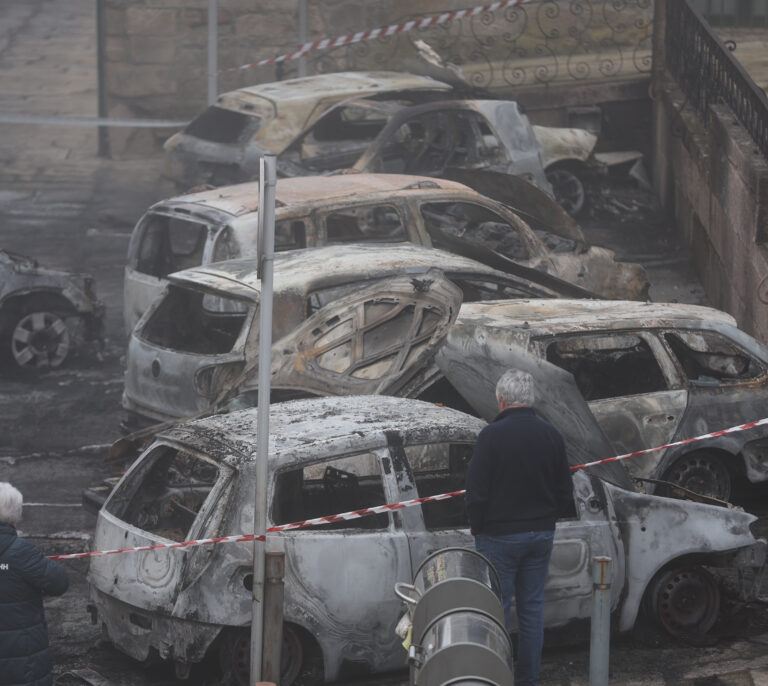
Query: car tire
(683, 601)
(702, 472)
(568, 187)
(36, 338)
(301, 661)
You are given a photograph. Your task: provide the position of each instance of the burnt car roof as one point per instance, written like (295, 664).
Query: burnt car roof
(296, 269)
(326, 422)
(244, 198)
(539, 317)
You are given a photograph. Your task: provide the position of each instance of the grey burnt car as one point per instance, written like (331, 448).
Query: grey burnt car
(641, 374)
(44, 313)
(333, 455)
(210, 226)
(351, 321)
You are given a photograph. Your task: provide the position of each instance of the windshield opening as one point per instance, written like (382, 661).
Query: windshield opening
(194, 322)
(167, 493)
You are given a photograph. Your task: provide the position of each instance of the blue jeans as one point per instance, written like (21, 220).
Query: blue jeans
(522, 561)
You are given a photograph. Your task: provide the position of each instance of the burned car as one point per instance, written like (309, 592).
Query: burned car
(642, 374)
(346, 322)
(210, 226)
(44, 313)
(333, 455)
(223, 145)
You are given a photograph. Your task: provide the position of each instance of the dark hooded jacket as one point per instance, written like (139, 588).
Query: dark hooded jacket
(25, 576)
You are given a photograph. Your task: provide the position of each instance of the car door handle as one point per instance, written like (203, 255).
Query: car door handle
(659, 419)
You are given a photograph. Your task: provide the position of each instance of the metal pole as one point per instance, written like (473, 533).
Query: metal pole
(213, 49)
(303, 34)
(274, 593)
(267, 176)
(600, 634)
(101, 76)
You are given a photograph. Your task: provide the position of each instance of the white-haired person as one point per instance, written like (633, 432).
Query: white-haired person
(518, 484)
(25, 576)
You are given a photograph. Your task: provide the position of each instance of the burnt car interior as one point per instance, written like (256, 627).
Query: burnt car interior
(166, 498)
(380, 223)
(194, 322)
(608, 366)
(220, 125)
(707, 358)
(476, 224)
(338, 485)
(170, 244)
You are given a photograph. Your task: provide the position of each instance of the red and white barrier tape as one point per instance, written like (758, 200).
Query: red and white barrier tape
(379, 509)
(383, 31)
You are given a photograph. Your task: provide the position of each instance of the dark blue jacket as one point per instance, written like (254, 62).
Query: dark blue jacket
(518, 479)
(25, 575)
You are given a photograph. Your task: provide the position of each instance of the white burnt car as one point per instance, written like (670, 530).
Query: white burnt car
(346, 321)
(641, 374)
(333, 455)
(210, 226)
(44, 313)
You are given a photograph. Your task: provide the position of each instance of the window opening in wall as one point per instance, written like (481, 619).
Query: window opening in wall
(710, 358)
(167, 496)
(329, 487)
(441, 468)
(609, 366)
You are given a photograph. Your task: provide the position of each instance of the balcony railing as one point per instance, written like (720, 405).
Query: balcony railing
(708, 74)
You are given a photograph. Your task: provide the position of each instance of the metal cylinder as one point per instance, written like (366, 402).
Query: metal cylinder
(274, 593)
(466, 646)
(600, 630)
(455, 578)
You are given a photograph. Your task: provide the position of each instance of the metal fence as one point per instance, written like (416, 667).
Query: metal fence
(708, 74)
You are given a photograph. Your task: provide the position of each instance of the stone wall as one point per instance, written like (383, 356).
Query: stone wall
(716, 182)
(156, 50)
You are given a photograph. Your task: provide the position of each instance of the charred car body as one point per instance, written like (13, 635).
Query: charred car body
(346, 322)
(210, 226)
(642, 374)
(326, 122)
(224, 144)
(333, 455)
(44, 313)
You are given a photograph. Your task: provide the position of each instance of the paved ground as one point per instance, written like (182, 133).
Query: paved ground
(70, 209)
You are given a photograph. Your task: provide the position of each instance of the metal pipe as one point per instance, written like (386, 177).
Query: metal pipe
(600, 629)
(213, 50)
(101, 75)
(268, 181)
(303, 35)
(274, 593)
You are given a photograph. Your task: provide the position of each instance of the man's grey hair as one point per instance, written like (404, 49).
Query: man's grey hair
(11, 501)
(515, 387)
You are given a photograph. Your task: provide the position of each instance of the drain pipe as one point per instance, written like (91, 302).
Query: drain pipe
(600, 635)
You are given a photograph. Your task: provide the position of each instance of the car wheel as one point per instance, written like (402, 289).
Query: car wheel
(702, 473)
(568, 189)
(235, 658)
(39, 340)
(685, 601)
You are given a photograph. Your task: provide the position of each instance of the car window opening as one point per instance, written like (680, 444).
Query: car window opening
(380, 223)
(193, 322)
(707, 357)
(608, 367)
(221, 126)
(475, 224)
(166, 498)
(170, 244)
(290, 235)
(339, 485)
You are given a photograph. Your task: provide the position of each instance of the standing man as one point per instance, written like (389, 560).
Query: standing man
(518, 483)
(25, 576)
